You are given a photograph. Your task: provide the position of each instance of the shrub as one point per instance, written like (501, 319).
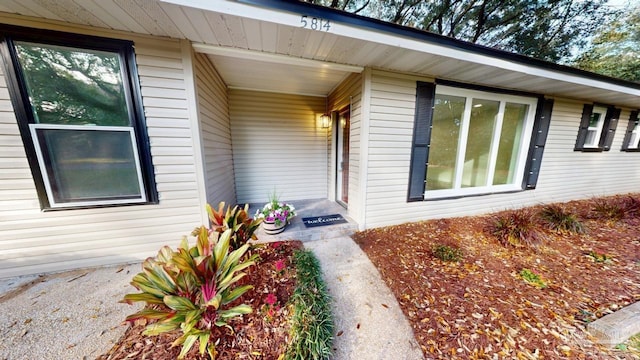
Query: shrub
(560, 220)
(191, 289)
(608, 209)
(312, 322)
(236, 219)
(533, 278)
(516, 228)
(631, 206)
(447, 253)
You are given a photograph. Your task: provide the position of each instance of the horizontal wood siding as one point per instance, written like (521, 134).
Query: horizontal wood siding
(215, 127)
(278, 145)
(33, 241)
(564, 174)
(349, 92)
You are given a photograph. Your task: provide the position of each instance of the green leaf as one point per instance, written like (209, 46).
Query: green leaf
(235, 311)
(191, 319)
(160, 327)
(204, 341)
(146, 297)
(149, 314)
(222, 247)
(215, 301)
(186, 346)
(179, 303)
(236, 293)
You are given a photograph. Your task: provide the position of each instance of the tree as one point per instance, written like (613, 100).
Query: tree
(544, 29)
(615, 51)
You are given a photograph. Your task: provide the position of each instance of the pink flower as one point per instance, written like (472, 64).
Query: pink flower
(270, 299)
(280, 265)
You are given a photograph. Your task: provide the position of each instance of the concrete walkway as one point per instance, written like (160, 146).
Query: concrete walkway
(76, 314)
(368, 319)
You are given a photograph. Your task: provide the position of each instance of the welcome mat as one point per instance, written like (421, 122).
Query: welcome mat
(323, 220)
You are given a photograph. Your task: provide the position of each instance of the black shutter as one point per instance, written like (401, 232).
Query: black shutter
(584, 126)
(609, 128)
(633, 119)
(425, 93)
(538, 140)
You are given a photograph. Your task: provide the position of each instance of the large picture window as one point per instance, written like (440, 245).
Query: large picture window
(478, 142)
(79, 112)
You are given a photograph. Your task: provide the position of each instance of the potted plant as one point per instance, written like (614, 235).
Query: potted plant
(275, 215)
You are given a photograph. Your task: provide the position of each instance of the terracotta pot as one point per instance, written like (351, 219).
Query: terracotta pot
(271, 228)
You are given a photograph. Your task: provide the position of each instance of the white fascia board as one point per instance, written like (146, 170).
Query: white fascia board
(273, 58)
(370, 35)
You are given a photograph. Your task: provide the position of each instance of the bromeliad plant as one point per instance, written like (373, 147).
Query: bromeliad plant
(235, 218)
(191, 289)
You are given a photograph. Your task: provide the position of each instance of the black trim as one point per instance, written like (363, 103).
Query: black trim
(609, 128)
(633, 121)
(485, 88)
(22, 106)
(425, 95)
(538, 141)
(587, 109)
(336, 15)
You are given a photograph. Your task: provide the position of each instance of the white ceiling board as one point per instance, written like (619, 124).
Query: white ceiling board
(275, 77)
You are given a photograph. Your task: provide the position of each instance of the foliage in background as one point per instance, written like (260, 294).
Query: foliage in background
(237, 219)
(516, 228)
(544, 29)
(615, 50)
(447, 253)
(191, 289)
(560, 220)
(312, 323)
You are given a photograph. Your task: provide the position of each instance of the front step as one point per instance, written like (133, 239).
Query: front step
(618, 327)
(309, 234)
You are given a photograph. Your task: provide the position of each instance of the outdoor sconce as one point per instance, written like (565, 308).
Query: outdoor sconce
(325, 121)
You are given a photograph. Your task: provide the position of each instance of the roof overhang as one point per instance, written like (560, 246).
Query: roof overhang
(261, 45)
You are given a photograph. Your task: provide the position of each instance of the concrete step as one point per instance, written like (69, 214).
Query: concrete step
(618, 327)
(310, 234)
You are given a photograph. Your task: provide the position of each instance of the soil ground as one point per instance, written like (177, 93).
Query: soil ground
(482, 308)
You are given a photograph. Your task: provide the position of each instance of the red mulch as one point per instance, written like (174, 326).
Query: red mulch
(263, 334)
(480, 308)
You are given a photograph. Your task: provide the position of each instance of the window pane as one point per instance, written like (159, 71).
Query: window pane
(594, 120)
(481, 127)
(89, 164)
(445, 132)
(73, 86)
(633, 141)
(510, 139)
(590, 140)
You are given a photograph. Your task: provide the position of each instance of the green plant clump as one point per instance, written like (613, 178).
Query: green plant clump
(447, 253)
(312, 322)
(599, 257)
(517, 228)
(190, 289)
(560, 220)
(532, 278)
(237, 219)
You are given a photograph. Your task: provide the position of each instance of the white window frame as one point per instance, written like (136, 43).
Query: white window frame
(527, 129)
(598, 128)
(45, 174)
(635, 134)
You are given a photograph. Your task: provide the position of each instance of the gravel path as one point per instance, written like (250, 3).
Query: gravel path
(71, 315)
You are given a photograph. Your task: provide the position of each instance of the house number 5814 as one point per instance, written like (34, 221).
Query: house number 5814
(315, 23)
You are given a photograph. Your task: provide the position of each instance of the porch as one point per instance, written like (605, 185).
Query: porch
(296, 230)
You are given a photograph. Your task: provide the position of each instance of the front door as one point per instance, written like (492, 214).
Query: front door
(342, 161)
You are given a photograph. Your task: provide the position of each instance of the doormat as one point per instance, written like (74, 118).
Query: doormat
(323, 220)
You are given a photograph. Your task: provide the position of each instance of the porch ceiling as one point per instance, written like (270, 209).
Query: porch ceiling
(229, 24)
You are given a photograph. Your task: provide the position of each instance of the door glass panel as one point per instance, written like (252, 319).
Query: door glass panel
(481, 127)
(445, 134)
(510, 140)
(70, 86)
(90, 164)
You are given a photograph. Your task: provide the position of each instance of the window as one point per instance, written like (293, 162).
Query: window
(597, 128)
(79, 111)
(594, 130)
(478, 142)
(632, 137)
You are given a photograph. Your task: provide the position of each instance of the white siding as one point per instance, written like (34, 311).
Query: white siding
(278, 144)
(33, 241)
(349, 92)
(564, 175)
(213, 103)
